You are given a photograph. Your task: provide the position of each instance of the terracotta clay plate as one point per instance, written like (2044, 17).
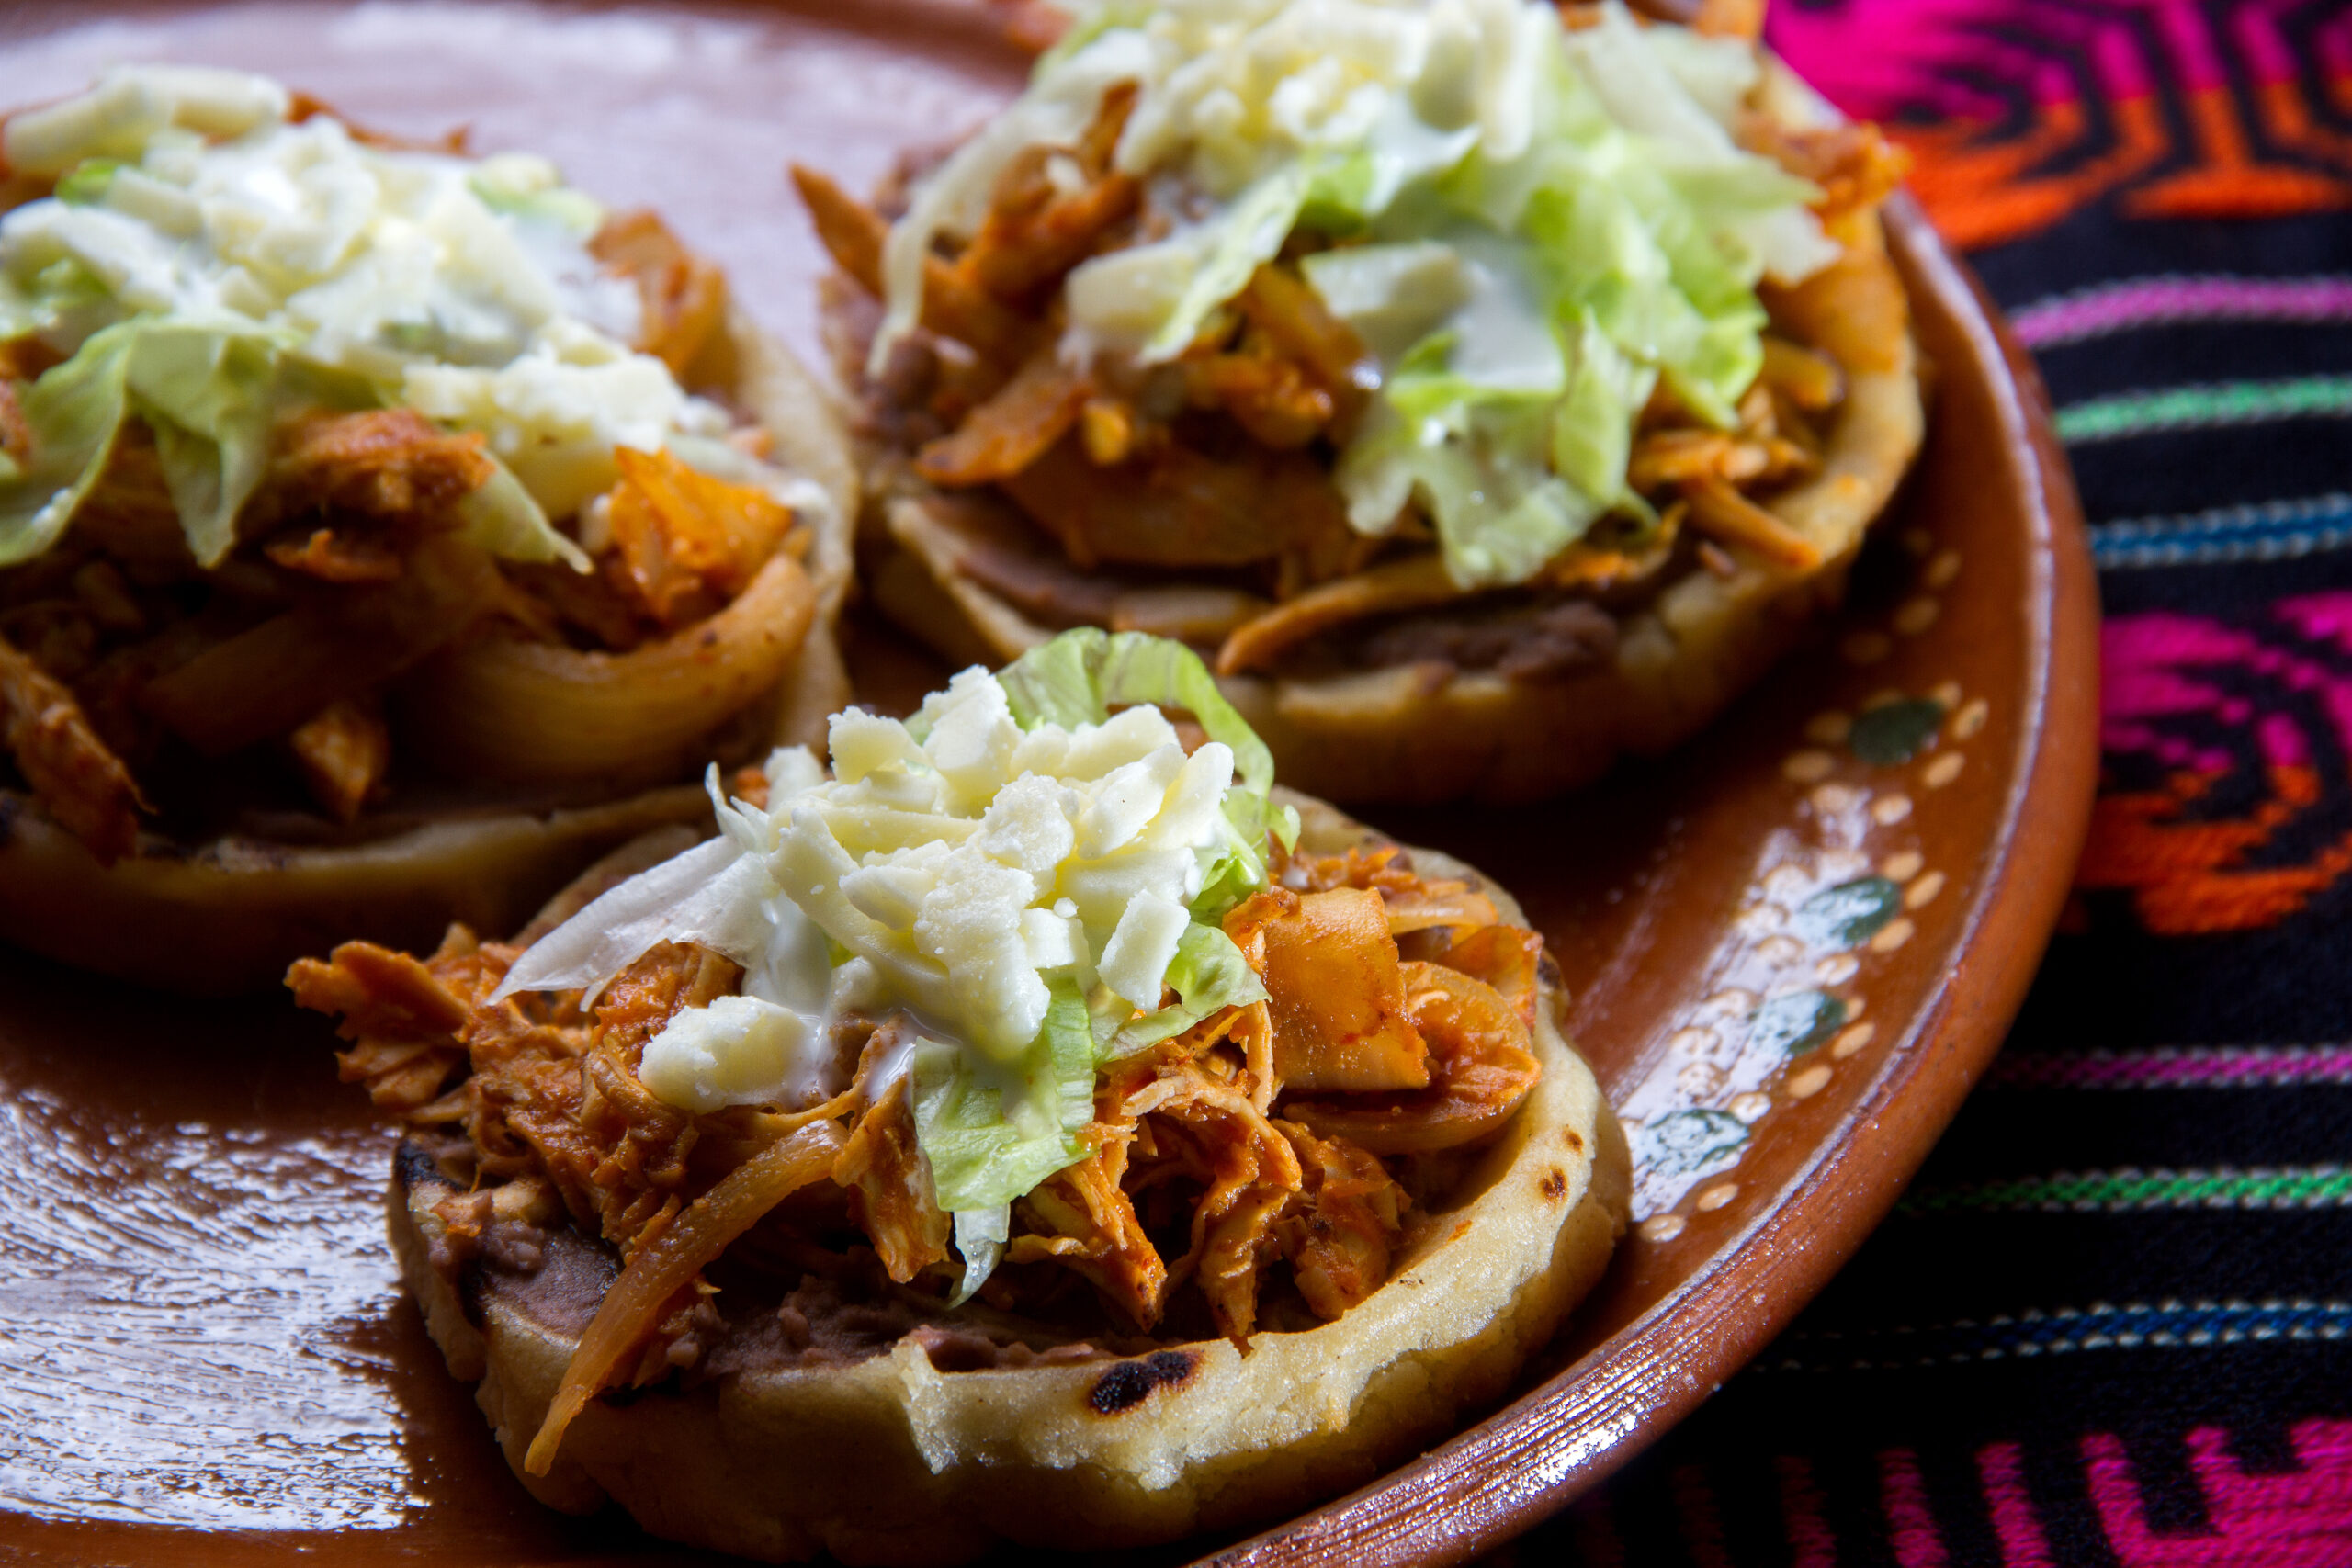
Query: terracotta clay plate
(1792, 947)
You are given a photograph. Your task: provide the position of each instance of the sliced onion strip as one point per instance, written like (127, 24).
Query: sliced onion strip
(664, 1265)
(520, 712)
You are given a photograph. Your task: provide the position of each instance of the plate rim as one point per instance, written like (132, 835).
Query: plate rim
(1542, 1447)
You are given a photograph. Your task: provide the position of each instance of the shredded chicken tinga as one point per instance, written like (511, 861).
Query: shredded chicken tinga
(1259, 1170)
(1194, 498)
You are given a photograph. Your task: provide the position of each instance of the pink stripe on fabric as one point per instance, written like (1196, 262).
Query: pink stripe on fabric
(2116, 1496)
(2260, 44)
(2300, 1519)
(2141, 659)
(2002, 1466)
(2334, 45)
(1928, 56)
(2194, 56)
(1811, 1544)
(2157, 300)
(2320, 617)
(2120, 64)
(2216, 1068)
(1910, 1523)
(2283, 745)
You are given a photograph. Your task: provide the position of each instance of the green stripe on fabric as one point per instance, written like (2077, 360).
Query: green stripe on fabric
(2223, 403)
(2284, 1187)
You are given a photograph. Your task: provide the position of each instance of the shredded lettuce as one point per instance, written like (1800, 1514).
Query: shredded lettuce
(209, 385)
(1208, 974)
(980, 1236)
(524, 185)
(1348, 191)
(1085, 29)
(712, 893)
(58, 299)
(505, 519)
(1531, 228)
(205, 388)
(1251, 232)
(87, 182)
(1079, 676)
(1482, 472)
(1394, 295)
(73, 413)
(1592, 426)
(1237, 867)
(992, 1130)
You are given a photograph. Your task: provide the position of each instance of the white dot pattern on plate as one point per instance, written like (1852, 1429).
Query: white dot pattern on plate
(1811, 924)
(1917, 616)
(1835, 799)
(1866, 648)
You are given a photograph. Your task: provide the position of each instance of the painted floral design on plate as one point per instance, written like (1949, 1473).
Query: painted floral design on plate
(1787, 998)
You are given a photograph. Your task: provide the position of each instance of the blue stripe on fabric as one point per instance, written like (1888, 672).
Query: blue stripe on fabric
(2267, 531)
(2161, 1326)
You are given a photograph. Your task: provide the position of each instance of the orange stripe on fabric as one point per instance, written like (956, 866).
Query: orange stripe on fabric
(2228, 181)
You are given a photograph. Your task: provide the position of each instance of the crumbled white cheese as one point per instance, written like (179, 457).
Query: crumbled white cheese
(956, 874)
(118, 116)
(736, 1051)
(1135, 959)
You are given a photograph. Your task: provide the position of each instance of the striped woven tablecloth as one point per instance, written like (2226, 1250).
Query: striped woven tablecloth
(2108, 1325)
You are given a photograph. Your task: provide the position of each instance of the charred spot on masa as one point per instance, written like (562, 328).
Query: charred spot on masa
(1555, 1184)
(413, 1167)
(620, 1396)
(1547, 970)
(1574, 1139)
(473, 1290)
(1125, 1384)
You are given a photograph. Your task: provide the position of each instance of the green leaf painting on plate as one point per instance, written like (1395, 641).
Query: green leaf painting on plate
(1895, 732)
(1849, 914)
